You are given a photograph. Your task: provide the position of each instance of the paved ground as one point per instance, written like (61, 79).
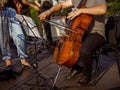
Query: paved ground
(43, 77)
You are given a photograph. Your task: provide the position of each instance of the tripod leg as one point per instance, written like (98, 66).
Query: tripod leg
(56, 76)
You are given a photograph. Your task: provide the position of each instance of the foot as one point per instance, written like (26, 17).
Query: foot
(73, 73)
(8, 63)
(25, 63)
(84, 80)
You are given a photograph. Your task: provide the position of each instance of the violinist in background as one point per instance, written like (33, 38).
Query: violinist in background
(93, 38)
(23, 13)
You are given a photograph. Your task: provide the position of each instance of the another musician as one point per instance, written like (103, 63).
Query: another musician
(23, 7)
(10, 26)
(93, 39)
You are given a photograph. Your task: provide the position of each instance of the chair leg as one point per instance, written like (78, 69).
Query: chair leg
(118, 65)
(96, 68)
(118, 62)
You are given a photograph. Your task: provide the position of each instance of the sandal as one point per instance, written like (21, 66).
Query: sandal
(8, 63)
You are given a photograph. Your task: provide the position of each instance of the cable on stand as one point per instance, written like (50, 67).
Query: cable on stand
(38, 73)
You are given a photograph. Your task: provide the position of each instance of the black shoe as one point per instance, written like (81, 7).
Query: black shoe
(7, 74)
(84, 80)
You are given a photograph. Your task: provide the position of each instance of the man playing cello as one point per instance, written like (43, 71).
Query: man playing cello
(93, 38)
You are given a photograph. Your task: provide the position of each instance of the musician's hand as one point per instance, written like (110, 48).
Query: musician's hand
(44, 15)
(74, 13)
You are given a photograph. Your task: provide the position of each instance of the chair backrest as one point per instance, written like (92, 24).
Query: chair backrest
(113, 30)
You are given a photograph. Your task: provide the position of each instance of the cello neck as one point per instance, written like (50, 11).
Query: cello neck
(81, 3)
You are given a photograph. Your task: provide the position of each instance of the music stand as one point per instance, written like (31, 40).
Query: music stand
(38, 73)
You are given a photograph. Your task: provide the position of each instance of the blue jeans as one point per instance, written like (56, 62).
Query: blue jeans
(10, 27)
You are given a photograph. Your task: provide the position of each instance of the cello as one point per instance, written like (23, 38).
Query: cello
(68, 47)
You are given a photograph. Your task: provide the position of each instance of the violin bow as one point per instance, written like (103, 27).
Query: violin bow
(59, 25)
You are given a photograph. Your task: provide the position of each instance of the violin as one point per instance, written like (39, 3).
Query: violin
(68, 47)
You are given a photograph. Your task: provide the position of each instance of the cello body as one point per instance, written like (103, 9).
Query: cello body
(68, 47)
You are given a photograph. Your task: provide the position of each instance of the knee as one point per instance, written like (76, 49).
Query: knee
(21, 36)
(85, 51)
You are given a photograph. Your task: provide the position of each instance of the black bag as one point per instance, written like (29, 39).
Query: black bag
(113, 30)
(7, 74)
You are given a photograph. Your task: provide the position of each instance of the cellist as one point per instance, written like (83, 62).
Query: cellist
(93, 38)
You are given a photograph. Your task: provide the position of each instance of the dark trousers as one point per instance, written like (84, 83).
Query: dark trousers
(46, 5)
(90, 44)
(48, 32)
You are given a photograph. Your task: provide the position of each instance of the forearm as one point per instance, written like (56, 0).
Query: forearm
(37, 3)
(47, 13)
(97, 10)
(55, 8)
(60, 6)
(27, 3)
(30, 5)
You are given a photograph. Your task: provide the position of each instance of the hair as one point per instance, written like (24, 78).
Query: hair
(3, 1)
